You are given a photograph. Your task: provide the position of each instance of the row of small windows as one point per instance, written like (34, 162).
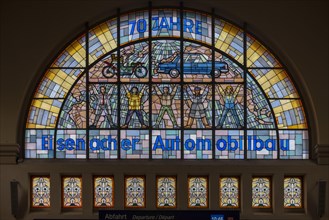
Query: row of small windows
(166, 192)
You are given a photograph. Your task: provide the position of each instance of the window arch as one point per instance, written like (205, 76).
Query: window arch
(166, 84)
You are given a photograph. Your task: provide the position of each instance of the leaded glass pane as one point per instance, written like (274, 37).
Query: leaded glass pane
(102, 39)
(135, 144)
(293, 192)
(72, 192)
(135, 192)
(197, 106)
(134, 63)
(229, 106)
(197, 144)
(39, 143)
(166, 61)
(40, 192)
(197, 192)
(73, 113)
(166, 106)
(103, 110)
(229, 39)
(166, 144)
(134, 110)
(294, 144)
(103, 192)
(261, 192)
(166, 192)
(229, 192)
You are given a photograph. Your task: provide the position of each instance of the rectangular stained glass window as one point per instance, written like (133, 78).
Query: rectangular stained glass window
(71, 144)
(294, 144)
(165, 23)
(197, 192)
(166, 191)
(103, 192)
(293, 192)
(261, 192)
(262, 144)
(135, 144)
(166, 144)
(229, 192)
(134, 26)
(72, 192)
(39, 143)
(103, 144)
(197, 26)
(135, 192)
(40, 191)
(229, 144)
(197, 144)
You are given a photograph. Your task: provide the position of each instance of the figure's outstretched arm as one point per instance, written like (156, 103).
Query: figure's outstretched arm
(189, 92)
(157, 90)
(174, 89)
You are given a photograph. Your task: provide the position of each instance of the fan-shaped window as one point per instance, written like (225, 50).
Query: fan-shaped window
(169, 84)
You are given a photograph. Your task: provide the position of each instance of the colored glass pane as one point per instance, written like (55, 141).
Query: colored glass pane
(261, 192)
(229, 39)
(197, 192)
(229, 192)
(135, 192)
(103, 192)
(166, 192)
(293, 192)
(74, 56)
(40, 192)
(102, 39)
(166, 144)
(72, 192)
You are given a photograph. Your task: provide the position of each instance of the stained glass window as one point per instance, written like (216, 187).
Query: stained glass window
(197, 192)
(166, 192)
(229, 192)
(40, 192)
(135, 191)
(293, 192)
(71, 192)
(103, 192)
(147, 91)
(261, 192)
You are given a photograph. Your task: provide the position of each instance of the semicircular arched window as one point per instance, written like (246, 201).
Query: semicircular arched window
(166, 84)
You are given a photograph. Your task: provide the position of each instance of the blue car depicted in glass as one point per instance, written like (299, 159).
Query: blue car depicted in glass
(194, 63)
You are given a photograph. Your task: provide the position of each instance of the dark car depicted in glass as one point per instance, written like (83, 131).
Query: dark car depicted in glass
(194, 63)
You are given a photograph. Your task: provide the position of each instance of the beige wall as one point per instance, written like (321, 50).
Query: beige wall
(33, 31)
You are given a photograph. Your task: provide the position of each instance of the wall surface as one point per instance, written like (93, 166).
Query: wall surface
(32, 32)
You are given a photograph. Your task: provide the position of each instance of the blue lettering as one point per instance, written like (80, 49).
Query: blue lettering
(156, 24)
(158, 143)
(189, 144)
(177, 142)
(141, 25)
(125, 144)
(188, 25)
(47, 142)
(164, 23)
(258, 144)
(69, 144)
(284, 148)
(231, 141)
(221, 144)
(203, 142)
(270, 145)
(198, 26)
(173, 23)
(92, 143)
(135, 140)
(111, 140)
(133, 24)
(61, 144)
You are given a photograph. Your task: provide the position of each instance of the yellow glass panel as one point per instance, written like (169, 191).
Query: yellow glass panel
(103, 192)
(40, 192)
(43, 113)
(289, 113)
(72, 192)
